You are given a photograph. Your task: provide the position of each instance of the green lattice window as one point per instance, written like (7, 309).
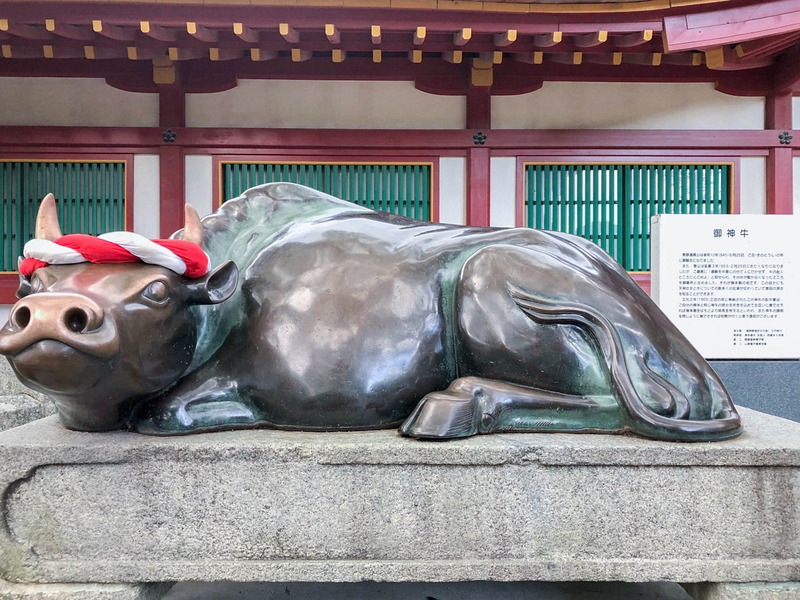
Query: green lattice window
(611, 204)
(403, 189)
(90, 198)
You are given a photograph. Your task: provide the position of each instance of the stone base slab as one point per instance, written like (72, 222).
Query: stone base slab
(88, 591)
(744, 591)
(269, 505)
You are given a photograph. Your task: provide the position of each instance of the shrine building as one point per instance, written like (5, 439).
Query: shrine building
(585, 117)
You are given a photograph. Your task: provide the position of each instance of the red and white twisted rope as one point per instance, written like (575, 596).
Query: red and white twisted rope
(182, 257)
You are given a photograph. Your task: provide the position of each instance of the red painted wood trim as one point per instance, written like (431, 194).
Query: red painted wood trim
(42, 139)
(479, 108)
(432, 75)
(519, 198)
(644, 281)
(435, 187)
(451, 141)
(786, 75)
(625, 155)
(778, 111)
(719, 27)
(736, 184)
(171, 106)
(346, 17)
(172, 188)
(478, 175)
(497, 138)
(780, 191)
(9, 282)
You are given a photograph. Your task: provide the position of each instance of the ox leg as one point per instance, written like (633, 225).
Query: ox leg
(211, 405)
(472, 405)
(567, 319)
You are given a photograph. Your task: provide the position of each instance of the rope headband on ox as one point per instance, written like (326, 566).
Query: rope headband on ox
(180, 256)
(183, 256)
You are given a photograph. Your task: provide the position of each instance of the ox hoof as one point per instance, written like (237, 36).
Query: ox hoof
(442, 415)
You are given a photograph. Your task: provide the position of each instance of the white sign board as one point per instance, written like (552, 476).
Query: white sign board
(731, 283)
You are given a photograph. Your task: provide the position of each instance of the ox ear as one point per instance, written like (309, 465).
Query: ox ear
(24, 282)
(216, 286)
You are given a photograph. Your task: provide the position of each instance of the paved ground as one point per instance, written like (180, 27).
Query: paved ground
(428, 591)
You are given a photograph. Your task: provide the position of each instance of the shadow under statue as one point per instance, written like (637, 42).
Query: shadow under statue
(324, 315)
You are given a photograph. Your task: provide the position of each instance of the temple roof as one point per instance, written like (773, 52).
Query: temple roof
(445, 46)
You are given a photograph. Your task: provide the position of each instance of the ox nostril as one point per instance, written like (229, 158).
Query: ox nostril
(21, 317)
(76, 320)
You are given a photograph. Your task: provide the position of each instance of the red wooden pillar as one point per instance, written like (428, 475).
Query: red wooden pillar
(479, 116)
(779, 161)
(478, 186)
(479, 108)
(172, 117)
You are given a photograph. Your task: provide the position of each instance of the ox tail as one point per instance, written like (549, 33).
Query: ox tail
(641, 418)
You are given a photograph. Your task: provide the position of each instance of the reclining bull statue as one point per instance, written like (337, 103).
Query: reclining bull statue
(319, 314)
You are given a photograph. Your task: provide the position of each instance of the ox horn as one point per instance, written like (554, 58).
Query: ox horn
(192, 228)
(47, 227)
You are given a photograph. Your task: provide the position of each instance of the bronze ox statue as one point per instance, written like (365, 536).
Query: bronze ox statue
(323, 315)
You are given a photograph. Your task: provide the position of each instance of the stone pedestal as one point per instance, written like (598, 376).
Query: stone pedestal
(18, 404)
(121, 508)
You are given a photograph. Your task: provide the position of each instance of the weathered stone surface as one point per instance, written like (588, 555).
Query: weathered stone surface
(465, 590)
(290, 506)
(18, 404)
(88, 591)
(744, 591)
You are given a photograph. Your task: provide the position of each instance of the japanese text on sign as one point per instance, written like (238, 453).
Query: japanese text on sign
(730, 282)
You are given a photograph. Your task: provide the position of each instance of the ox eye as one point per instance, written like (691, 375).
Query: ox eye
(156, 291)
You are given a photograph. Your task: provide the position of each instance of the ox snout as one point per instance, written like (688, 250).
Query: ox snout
(75, 321)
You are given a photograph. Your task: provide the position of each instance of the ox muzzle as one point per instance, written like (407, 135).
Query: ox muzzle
(74, 320)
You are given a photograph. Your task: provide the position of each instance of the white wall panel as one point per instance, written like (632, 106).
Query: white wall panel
(325, 104)
(795, 113)
(453, 190)
(199, 183)
(57, 101)
(146, 194)
(753, 193)
(574, 105)
(503, 191)
(796, 186)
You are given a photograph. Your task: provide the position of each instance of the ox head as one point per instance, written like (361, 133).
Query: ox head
(100, 338)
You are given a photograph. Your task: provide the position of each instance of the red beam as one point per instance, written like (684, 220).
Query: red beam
(90, 139)
(787, 71)
(720, 27)
(501, 138)
(765, 47)
(433, 74)
(79, 139)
